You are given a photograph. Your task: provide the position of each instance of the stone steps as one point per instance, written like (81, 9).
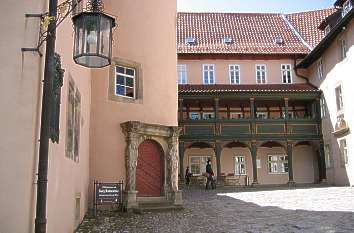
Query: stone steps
(156, 204)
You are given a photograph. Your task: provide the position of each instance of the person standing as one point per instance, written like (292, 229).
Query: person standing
(210, 175)
(187, 176)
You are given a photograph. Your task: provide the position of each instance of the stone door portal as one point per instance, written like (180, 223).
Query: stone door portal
(149, 170)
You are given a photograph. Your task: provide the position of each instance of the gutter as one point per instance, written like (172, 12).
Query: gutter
(303, 77)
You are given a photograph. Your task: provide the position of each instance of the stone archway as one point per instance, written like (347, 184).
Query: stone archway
(149, 170)
(136, 133)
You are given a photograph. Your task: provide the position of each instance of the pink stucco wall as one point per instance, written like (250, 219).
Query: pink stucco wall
(247, 70)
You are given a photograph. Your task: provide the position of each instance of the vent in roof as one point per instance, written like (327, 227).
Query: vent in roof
(278, 40)
(190, 40)
(228, 40)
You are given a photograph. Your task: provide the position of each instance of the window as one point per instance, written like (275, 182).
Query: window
(208, 115)
(327, 29)
(236, 115)
(125, 82)
(343, 152)
(194, 115)
(73, 123)
(343, 49)
(320, 69)
(347, 6)
(286, 73)
(262, 115)
(327, 155)
(208, 74)
(197, 164)
(339, 98)
(261, 74)
(277, 164)
(240, 165)
(182, 74)
(323, 107)
(234, 74)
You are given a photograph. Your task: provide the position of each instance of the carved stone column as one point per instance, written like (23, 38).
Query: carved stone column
(172, 166)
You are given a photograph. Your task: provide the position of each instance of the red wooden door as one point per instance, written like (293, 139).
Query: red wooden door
(149, 172)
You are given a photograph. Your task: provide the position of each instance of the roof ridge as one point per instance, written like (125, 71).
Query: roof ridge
(297, 34)
(235, 13)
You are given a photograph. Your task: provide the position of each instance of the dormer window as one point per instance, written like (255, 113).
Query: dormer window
(278, 40)
(327, 29)
(228, 40)
(347, 6)
(190, 40)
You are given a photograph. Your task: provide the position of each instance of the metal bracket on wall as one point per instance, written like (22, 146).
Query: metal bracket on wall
(64, 10)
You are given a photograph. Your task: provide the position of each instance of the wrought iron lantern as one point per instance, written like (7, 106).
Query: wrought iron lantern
(93, 37)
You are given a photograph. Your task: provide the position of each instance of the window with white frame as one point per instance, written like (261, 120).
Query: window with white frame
(286, 73)
(320, 69)
(236, 115)
(262, 115)
(343, 151)
(323, 107)
(208, 115)
(182, 74)
(194, 115)
(339, 98)
(234, 73)
(261, 74)
(197, 164)
(240, 165)
(327, 29)
(291, 115)
(73, 123)
(125, 82)
(278, 164)
(347, 6)
(208, 74)
(327, 155)
(343, 49)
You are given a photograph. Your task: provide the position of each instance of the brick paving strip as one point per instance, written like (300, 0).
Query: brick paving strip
(312, 210)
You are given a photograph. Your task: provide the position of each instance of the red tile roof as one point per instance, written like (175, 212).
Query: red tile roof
(227, 88)
(252, 33)
(307, 23)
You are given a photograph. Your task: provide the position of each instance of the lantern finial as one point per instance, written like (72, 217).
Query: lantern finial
(95, 6)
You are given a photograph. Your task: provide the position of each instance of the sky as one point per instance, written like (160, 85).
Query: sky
(278, 6)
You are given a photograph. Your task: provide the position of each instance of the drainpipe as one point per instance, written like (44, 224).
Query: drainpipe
(303, 77)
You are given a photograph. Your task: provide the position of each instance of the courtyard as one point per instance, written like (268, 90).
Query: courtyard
(256, 210)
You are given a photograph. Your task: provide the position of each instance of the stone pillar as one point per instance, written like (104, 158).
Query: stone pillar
(322, 163)
(181, 156)
(218, 149)
(289, 149)
(180, 110)
(254, 162)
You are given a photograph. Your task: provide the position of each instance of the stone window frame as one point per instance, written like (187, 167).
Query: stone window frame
(339, 99)
(244, 162)
(73, 153)
(343, 152)
(138, 81)
(278, 161)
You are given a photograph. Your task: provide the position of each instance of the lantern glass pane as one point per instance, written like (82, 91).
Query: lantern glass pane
(105, 36)
(79, 31)
(90, 36)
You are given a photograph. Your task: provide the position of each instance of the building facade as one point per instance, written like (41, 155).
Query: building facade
(241, 102)
(107, 118)
(329, 66)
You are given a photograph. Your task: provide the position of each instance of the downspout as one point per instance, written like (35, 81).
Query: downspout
(303, 77)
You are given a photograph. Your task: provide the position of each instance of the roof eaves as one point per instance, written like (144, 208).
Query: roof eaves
(325, 42)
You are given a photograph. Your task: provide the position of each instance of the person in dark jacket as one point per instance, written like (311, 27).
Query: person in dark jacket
(210, 174)
(187, 176)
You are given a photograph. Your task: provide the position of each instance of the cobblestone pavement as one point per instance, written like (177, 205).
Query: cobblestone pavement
(283, 210)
